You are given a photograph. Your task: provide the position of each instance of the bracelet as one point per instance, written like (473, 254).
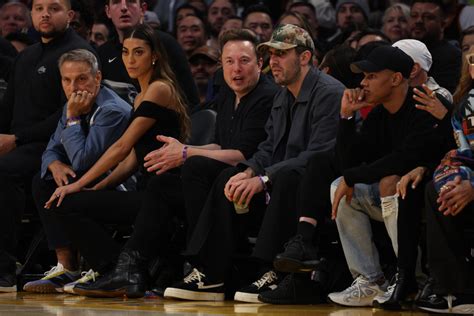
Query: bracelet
(70, 123)
(185, 153)
(346, 117)
(73, 118)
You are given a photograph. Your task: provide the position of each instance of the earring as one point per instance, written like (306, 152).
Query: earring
(153, 63)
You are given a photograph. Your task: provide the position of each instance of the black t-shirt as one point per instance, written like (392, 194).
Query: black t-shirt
(243, 128)
(113, 68)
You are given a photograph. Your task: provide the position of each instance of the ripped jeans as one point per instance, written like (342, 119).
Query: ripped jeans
(355, 231)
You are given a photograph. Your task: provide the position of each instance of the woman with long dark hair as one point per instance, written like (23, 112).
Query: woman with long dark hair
(159, 109)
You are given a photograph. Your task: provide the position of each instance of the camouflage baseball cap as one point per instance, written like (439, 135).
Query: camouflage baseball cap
(288, 36)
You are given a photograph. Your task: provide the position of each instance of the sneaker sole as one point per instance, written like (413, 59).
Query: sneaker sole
(42, 288)
(462, 309)
(69, 289)
(129, 291)
(354, 304)
(295, 266)
(192, 295)
(246, 297)
(8, 289)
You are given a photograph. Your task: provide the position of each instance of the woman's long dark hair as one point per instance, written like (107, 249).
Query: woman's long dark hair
(163, 72)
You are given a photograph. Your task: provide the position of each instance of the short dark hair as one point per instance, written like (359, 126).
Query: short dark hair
(302, 3)
(234, 5)
(85, 9)
(256, 8)
(439, 3)
(239, 35)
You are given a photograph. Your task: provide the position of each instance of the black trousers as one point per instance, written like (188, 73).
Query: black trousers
(16, 171)
(314, 194)
(161, 201)
(447, 248)
(219, 228)
(409, 227)
(80, 220)
(198, 175)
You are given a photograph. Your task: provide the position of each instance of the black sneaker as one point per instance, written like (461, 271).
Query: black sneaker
(460, 304)
(268, 281)
(196, 287)
(299, 256)
(7, 282)
(295, 288)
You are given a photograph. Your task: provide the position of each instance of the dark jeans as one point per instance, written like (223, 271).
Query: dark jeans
(219, 228)
(80, 220)
(16, 170)
(447, 248)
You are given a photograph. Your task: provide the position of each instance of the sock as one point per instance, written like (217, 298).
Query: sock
(306, 230)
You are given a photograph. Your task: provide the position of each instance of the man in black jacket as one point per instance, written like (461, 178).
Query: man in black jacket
(427, 24)
(395, 138)
(28, 117)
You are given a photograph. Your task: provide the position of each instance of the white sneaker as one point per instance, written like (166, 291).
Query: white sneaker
(385, 296)
(360, 293)
(86, 276)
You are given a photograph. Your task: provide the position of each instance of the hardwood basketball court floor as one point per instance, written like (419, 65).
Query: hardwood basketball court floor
(68, 305)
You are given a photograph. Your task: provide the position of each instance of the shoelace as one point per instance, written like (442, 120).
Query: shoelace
(90, 273)
(356, 285)
(194, 275)
(450, 298)
(268, 277)
(56, 269)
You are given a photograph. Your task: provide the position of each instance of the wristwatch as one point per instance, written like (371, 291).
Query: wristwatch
(72, 122)
(266, 182)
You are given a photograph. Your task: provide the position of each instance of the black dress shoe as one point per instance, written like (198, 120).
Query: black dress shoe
(299, 256)
(402, 291)
(128, 278)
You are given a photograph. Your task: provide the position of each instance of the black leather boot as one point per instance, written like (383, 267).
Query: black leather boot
(128, 278)
(402, 291)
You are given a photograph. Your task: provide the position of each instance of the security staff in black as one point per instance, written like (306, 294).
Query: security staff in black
(28, 117)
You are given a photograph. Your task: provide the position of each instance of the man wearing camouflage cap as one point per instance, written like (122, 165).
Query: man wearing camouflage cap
(303, 122)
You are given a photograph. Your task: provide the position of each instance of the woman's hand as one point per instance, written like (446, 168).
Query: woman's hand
(429, 102)
(414, 177)
(61, 192)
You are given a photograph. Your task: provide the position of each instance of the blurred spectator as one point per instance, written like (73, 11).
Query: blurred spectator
(203, 62)
(152, 19)
(395, 22)
(257, 18)
(467, 40)
(184, 11)
(219, 11)
(369, 35)
(309, 12)
(166, 12)
(191, 33)
(83, 19)
(100, 33)
(233, 23)
(337, 63)
(426, 24)
(201, 5)
(19, 40)
(351, 15)
(466, 18)
(14, 17)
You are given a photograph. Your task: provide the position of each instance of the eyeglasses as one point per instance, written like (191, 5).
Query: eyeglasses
(470, 59)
